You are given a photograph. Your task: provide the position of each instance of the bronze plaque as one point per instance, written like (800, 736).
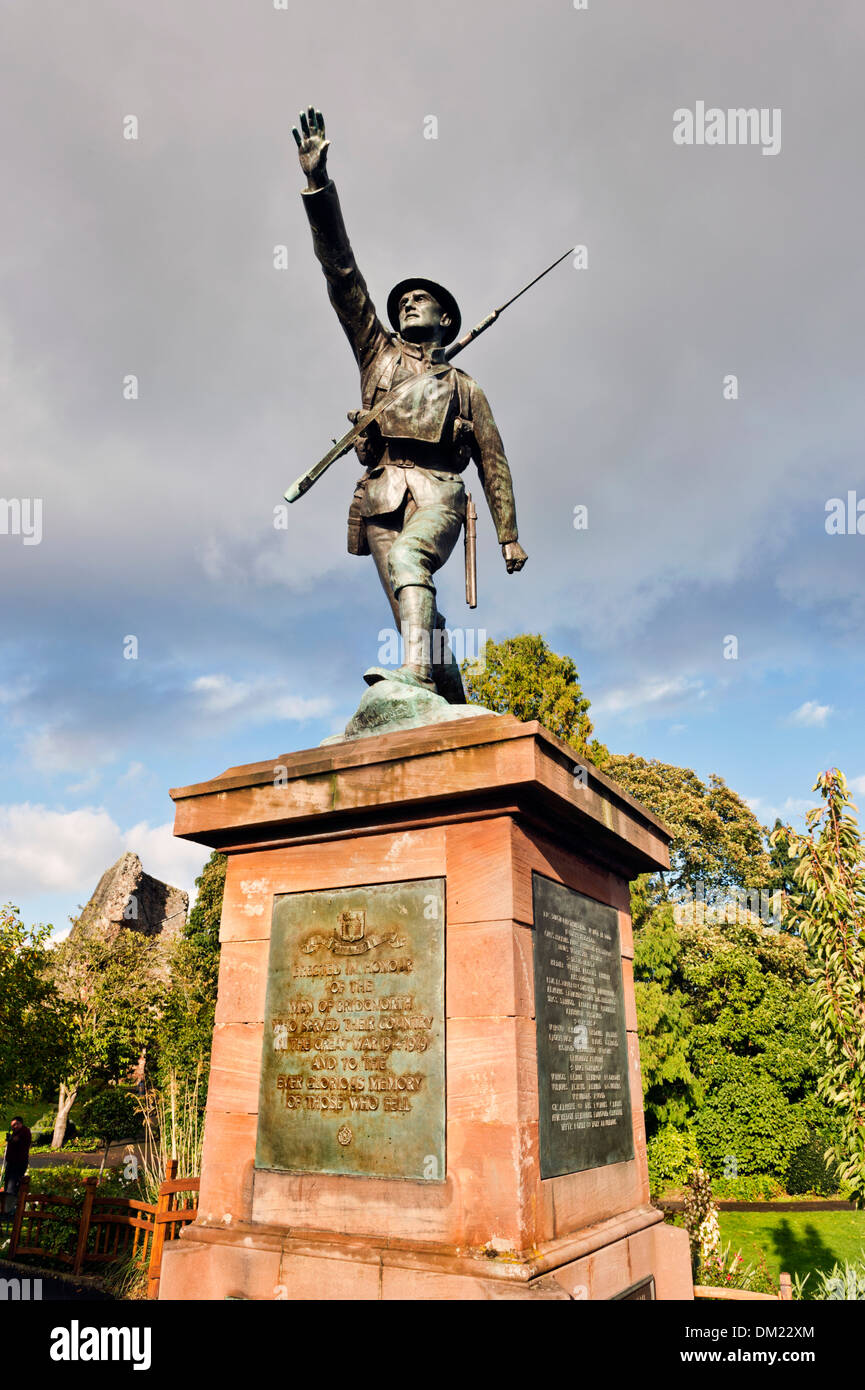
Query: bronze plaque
(585, 1101)
(353, 1062)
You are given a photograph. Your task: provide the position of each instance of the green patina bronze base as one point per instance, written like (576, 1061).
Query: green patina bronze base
(390, 705)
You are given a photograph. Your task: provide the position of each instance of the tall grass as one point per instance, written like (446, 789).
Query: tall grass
(173, 1128)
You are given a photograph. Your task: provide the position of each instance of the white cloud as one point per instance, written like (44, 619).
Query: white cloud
(178, 862)
(794, 808)
(132, 773)
(68, 851)
(857, 785)
(58, 748)
(810, 714)
(54, 851)
(257, 701)
(656, 692)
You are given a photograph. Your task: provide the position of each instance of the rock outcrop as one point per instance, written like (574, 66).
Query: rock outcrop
(128, 897)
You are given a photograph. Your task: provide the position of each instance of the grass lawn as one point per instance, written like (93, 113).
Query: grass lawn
(795, 1241)
(29, 1110)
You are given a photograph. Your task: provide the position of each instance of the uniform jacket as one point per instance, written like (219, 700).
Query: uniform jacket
(418, 431)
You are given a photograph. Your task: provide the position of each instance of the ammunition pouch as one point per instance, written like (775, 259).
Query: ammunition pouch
(357, 541)
(368, 447)
(462, 443)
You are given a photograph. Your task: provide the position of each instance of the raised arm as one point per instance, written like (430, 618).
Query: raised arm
(346, 286)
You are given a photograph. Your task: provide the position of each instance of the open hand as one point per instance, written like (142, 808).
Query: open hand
(514, 555)
(312, 147)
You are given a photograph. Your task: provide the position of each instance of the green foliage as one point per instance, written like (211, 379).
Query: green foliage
(670, 1089)
(127, 1278)
(717, 839)
(749, 1187)
(111, 993)
(186, 1024)
(726, 1268)
(672, 1154)
(523, 677)
(174, 1128)
(747, 1121)
(809, 1170)
(828, 908)
(724, 1016)
(701, 1219)
(59, 1234)
(842, 1283)
(112, 1114)
(66, 1180)
(31, 1019)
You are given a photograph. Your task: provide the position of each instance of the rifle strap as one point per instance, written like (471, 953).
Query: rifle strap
(396, 392)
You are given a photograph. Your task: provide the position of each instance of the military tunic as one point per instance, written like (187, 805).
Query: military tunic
(412, 492)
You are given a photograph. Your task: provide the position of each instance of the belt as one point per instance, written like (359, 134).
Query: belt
(411, 463)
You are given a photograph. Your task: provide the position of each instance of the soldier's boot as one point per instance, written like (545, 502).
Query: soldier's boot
(417, 612)
(446, 672)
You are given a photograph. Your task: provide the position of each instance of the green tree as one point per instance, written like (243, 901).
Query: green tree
(717, 840)
(724, 1016)
(671, 1091)
(111, 994)
(186, 1025)
(782, 865)
(523, 677)
(32, 1031)
(828, 908)
(112, 1114)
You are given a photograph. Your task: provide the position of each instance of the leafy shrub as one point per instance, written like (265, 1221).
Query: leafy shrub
(840, 1283)
(66, 1180)
(726, 1269)
(750, 1187)
(701, 1218)
(113, 1114)
(809, 1171)
(128, 1276)
(59, 1232)
(749, 1119)
(671, 1154)
(81, 1143)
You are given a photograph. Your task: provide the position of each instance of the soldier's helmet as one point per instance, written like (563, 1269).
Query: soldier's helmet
(439, 294)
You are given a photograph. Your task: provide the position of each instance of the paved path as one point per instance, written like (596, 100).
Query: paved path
(81, 1158)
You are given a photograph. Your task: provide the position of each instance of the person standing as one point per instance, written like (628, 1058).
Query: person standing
(18, 1142)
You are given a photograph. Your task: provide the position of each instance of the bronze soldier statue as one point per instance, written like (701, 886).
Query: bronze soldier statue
(409, 507)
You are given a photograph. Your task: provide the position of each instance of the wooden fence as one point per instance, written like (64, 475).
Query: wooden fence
(732, 1295)
(105, 1228)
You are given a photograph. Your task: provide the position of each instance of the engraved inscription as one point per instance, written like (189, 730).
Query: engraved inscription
(585, 1109)
(353, 1059)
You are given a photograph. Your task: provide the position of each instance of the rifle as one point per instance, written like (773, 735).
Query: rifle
(471, 553)
(342, 446)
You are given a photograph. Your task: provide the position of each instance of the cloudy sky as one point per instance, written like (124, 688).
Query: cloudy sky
(154, 257)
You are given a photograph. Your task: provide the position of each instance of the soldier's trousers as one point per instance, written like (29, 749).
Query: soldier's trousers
(409, 545)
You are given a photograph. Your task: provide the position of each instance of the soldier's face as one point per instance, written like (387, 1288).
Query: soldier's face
(421, 318)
